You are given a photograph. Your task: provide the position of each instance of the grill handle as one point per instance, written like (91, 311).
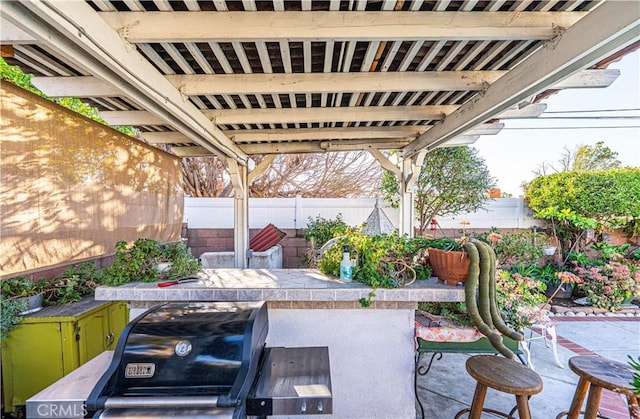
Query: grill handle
(164, 402)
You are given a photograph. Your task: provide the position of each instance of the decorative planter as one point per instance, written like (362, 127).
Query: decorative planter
(449, 266)
(549, 250)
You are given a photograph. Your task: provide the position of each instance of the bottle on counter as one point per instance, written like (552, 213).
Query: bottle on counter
(346, 267)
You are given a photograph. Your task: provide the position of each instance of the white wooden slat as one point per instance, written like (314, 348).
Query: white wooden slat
(430, 55)
(214, 102)
(512, 53)
(156, 59)
(192, 6)
(306, 54)
(37, 57)
(285, 54)
(450, 55)
(134, 5)
(372, 50)
(242, 57)
(265, 61)
(178, 58)
(221, 5)
(36, 65)
(104, 5)
(198, 102)
(477, 48)
(278, 5)
(163, 5)
(200, 59)
(489, 55)
(221, 57)
(391, 55)
(249, 5)
(416, 5)
(411, 54)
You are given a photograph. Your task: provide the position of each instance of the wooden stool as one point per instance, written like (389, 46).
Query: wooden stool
(597, 373)
(504, 375)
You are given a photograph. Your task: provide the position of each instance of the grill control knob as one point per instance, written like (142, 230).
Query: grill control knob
(319, 406)
(303, 407)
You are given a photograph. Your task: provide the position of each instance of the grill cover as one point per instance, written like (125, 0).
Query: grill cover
(186, 350)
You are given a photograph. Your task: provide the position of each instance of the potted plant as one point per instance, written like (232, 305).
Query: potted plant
(449, 260)
(19, 296)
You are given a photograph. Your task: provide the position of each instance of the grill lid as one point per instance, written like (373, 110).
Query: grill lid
(187, 349)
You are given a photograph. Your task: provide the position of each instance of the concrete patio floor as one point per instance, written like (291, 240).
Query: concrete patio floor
(448, 388)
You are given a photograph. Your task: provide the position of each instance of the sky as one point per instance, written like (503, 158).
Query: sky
(514, 153)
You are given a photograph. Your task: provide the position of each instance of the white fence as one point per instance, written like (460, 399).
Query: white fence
(295, 212)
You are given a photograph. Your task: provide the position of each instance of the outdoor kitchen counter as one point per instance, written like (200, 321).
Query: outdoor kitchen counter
(371, 349)
(282, 286)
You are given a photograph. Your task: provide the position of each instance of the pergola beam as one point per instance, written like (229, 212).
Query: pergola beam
(138, 27)
(610, 27)
(75, 31)
(291, 83)
(320, 134)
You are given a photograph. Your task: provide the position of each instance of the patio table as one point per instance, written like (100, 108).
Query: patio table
(371, 348)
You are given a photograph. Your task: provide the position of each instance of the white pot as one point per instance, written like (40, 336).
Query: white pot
(163, 266)
(549, 251)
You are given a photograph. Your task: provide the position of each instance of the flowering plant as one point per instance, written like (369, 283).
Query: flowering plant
(522, 298)
(609, 285)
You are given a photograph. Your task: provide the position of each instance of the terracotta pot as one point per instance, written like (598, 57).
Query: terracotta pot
(449, 266)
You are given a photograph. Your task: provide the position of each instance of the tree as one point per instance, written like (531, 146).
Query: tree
(576, 201)
(327, 175)
(582, 157)
(452, 180)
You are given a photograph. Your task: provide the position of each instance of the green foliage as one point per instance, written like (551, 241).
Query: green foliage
(140, 262)
(635, 383)
(385, 261)
(455, 312)
(513, 248)
(519, 298)
(10, 318)
(320, 230)
(576, 201)
(452, 180)
(73, 283)
(21, 287)
(15, 75)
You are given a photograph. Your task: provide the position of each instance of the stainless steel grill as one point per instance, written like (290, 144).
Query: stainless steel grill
(207, 360)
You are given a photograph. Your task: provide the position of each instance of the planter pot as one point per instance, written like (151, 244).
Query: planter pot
(34, 303)
(164, 266)
(549, 251)
(450, 266)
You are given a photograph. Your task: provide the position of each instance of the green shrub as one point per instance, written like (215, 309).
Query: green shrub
(140, 262)
(580, 200)
(385, 261)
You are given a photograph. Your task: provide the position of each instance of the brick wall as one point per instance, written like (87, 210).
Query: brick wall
(201, 240)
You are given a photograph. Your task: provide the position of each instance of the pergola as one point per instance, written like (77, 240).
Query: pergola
(252, 77)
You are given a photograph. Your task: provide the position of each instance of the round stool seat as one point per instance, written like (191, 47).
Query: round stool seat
(504, 375)
(597, 373)
(605, 373)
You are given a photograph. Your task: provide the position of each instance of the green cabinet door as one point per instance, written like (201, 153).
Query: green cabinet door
(35, 350)
(51, 343)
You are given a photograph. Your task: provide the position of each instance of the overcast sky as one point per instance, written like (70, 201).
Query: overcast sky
(515, 153)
